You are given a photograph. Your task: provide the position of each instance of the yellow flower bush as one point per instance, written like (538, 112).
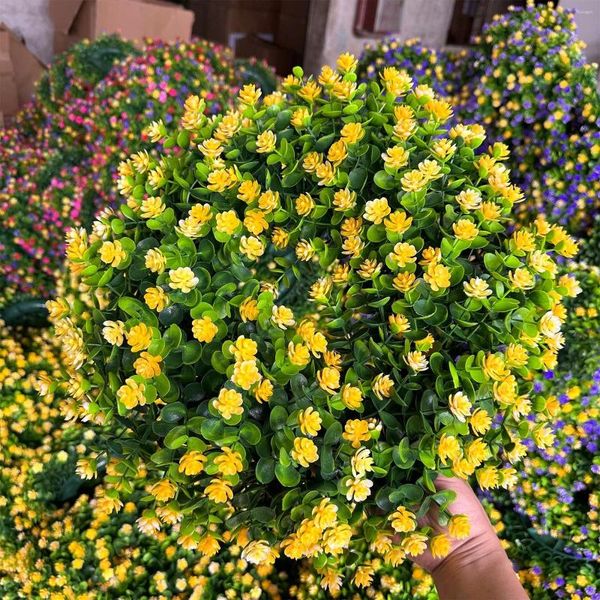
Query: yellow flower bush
(305, 424)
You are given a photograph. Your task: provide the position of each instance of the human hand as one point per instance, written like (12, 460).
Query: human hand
(476, 566)
(482, 537)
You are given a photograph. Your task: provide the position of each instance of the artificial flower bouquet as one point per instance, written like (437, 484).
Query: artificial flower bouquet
(304, 430)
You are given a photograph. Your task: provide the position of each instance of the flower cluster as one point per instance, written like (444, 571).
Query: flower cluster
(426, 318)
(372, 579)
(444, 71)
(543, 571)
(526, 80)
(58, 172)
(582, 326)
(558, 486)
(59, 532)
(100, 554)
(71, 75)
(536, 92)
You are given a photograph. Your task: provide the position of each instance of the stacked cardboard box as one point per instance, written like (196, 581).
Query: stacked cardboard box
(75, 20)
(19, 70)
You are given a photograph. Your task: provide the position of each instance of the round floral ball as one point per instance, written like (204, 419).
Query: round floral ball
(308, 427)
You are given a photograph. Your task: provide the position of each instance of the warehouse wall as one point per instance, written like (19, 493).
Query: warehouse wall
(331, 28)
(30, 19)
(587, 17)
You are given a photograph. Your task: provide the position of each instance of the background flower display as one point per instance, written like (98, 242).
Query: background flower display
(59, 532)
(536, 92)
(583, 322)
(85, 117)
(373, 580)
(248, 416)
(526, 80)
(543, 568)
(558, 486)
(71, 75)
(443, 70)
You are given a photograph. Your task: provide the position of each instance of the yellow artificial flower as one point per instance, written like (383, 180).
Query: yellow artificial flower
(465, 230)
(283, 317)
(266, 142)
(398, 222)
(460, 406)
(147, 365)
(459, 527)
(414, 544)
(477, 288)
(413, 181)
(183, 279)
(309, 421)
(113, 332)
(248, 191)
(163, 490)
(404, 282)
(352, 396)
(403, 520)
(255, 222)
(229, 403)
(139, 337)
(229, 462)
(440, 546)
(356, 431)
(438, 277)
(227, 222)
(416, 360)
(112, 253)
(346, 62)
(376, 210)
(352, 133)
(395, 157)
(152, 207)
(403, 254)
(219, 491)
(246, 374)
(132, 394)
(469, 199)
(204, 330)
(329, 379)
(358, 489)
(448, 448)
(155, 261)
(249, 94)
(304, 451)
(192, 462)
(251, 247)
(156, 298)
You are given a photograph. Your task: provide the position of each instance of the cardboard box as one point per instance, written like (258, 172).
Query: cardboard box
(226, 21)
(283, 59)
(19, 71)
(75, 20)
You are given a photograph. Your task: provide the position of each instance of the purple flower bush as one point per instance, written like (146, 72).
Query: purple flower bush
(558, 486)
